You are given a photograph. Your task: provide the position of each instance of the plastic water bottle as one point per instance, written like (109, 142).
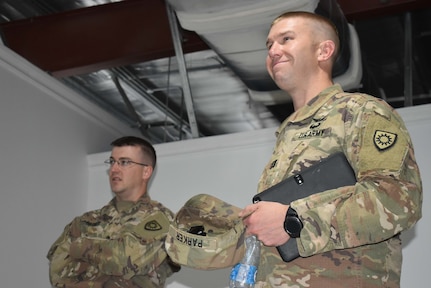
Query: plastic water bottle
(243, 274)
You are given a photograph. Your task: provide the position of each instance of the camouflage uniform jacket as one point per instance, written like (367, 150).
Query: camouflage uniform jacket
(351, 234)
(119, 245)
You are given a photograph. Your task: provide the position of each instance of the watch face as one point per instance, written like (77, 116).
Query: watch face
(293, 226)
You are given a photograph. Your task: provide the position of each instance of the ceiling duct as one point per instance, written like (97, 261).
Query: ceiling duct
(221, 23)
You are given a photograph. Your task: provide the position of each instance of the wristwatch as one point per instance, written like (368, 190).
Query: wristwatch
(293, 225)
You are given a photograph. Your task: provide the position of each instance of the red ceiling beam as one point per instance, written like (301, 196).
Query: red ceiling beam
(98, 37)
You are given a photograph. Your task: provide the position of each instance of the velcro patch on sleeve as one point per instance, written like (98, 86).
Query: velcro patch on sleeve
(156, 222)
(384, 145)
(154, 225)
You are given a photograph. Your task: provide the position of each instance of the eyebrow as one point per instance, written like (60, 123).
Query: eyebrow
(279, 35)
(121, 158)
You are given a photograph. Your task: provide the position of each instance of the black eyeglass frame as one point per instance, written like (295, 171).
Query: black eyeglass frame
(122, 162)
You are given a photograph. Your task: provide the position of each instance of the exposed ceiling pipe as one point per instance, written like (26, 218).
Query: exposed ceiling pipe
(135, 84)
(141, 125)
(183, 71)
(408, 85)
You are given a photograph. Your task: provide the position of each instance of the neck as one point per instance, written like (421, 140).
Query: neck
(130, 196)
(302, 95)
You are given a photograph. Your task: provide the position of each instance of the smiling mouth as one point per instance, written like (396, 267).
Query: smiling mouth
(276, 66)
(276, 63)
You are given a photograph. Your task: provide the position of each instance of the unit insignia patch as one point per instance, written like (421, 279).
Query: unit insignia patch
(153, 225)
(384, 140)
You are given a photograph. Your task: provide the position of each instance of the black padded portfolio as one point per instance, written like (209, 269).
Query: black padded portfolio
(330, 173)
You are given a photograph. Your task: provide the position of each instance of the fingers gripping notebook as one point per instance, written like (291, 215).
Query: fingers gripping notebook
(330, 173)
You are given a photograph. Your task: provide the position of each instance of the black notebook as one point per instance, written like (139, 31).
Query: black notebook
(330, 173)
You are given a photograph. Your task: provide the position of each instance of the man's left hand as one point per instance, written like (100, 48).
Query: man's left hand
(266, 221)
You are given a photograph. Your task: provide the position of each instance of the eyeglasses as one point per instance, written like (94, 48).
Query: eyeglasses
(123, 163)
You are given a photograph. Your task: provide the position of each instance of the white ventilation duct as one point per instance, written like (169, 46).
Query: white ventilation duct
(220, 23)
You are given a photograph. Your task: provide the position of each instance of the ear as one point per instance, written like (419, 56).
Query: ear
(326, 50)
(147, 172)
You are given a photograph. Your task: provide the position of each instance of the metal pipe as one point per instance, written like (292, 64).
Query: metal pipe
(183, 71)
(408, 86)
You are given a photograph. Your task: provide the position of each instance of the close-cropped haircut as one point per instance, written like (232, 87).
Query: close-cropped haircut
(319, 19)
(146, 147)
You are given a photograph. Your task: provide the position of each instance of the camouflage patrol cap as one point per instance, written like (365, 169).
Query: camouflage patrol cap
(206, 234)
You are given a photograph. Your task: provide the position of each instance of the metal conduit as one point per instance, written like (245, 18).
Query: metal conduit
(183, 71)
(140, 88)
(408, 85)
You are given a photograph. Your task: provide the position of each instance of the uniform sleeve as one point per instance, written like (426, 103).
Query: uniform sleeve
(387, 198)
(137, 251)
(67, 272)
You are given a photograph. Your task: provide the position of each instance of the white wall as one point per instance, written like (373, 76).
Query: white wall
(229, 167)
(417, 252)
(46, 131)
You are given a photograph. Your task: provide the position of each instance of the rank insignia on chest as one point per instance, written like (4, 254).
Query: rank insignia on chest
(384, 140)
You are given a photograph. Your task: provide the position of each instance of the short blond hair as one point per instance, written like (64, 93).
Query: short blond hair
(328, 26)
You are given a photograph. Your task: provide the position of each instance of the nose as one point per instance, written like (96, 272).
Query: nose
(114, 166)
(274, 51)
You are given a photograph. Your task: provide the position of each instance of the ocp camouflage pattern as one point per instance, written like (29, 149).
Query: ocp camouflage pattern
(351, 234)
(221, 243)
(119, 245)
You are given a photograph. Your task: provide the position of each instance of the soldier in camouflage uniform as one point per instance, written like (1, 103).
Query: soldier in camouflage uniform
(121, 244)
(350, 235)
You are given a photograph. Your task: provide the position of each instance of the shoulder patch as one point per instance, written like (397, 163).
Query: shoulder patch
(148, 226)
(384, 140)
(384, 145)
(152, 225)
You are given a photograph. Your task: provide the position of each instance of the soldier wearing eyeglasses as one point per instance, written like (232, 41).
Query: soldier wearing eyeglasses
(121, 244)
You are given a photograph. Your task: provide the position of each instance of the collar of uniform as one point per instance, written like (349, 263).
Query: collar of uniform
(311, 107)
(128, 205)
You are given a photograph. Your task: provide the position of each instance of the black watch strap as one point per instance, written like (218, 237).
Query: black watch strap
(292, 224)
